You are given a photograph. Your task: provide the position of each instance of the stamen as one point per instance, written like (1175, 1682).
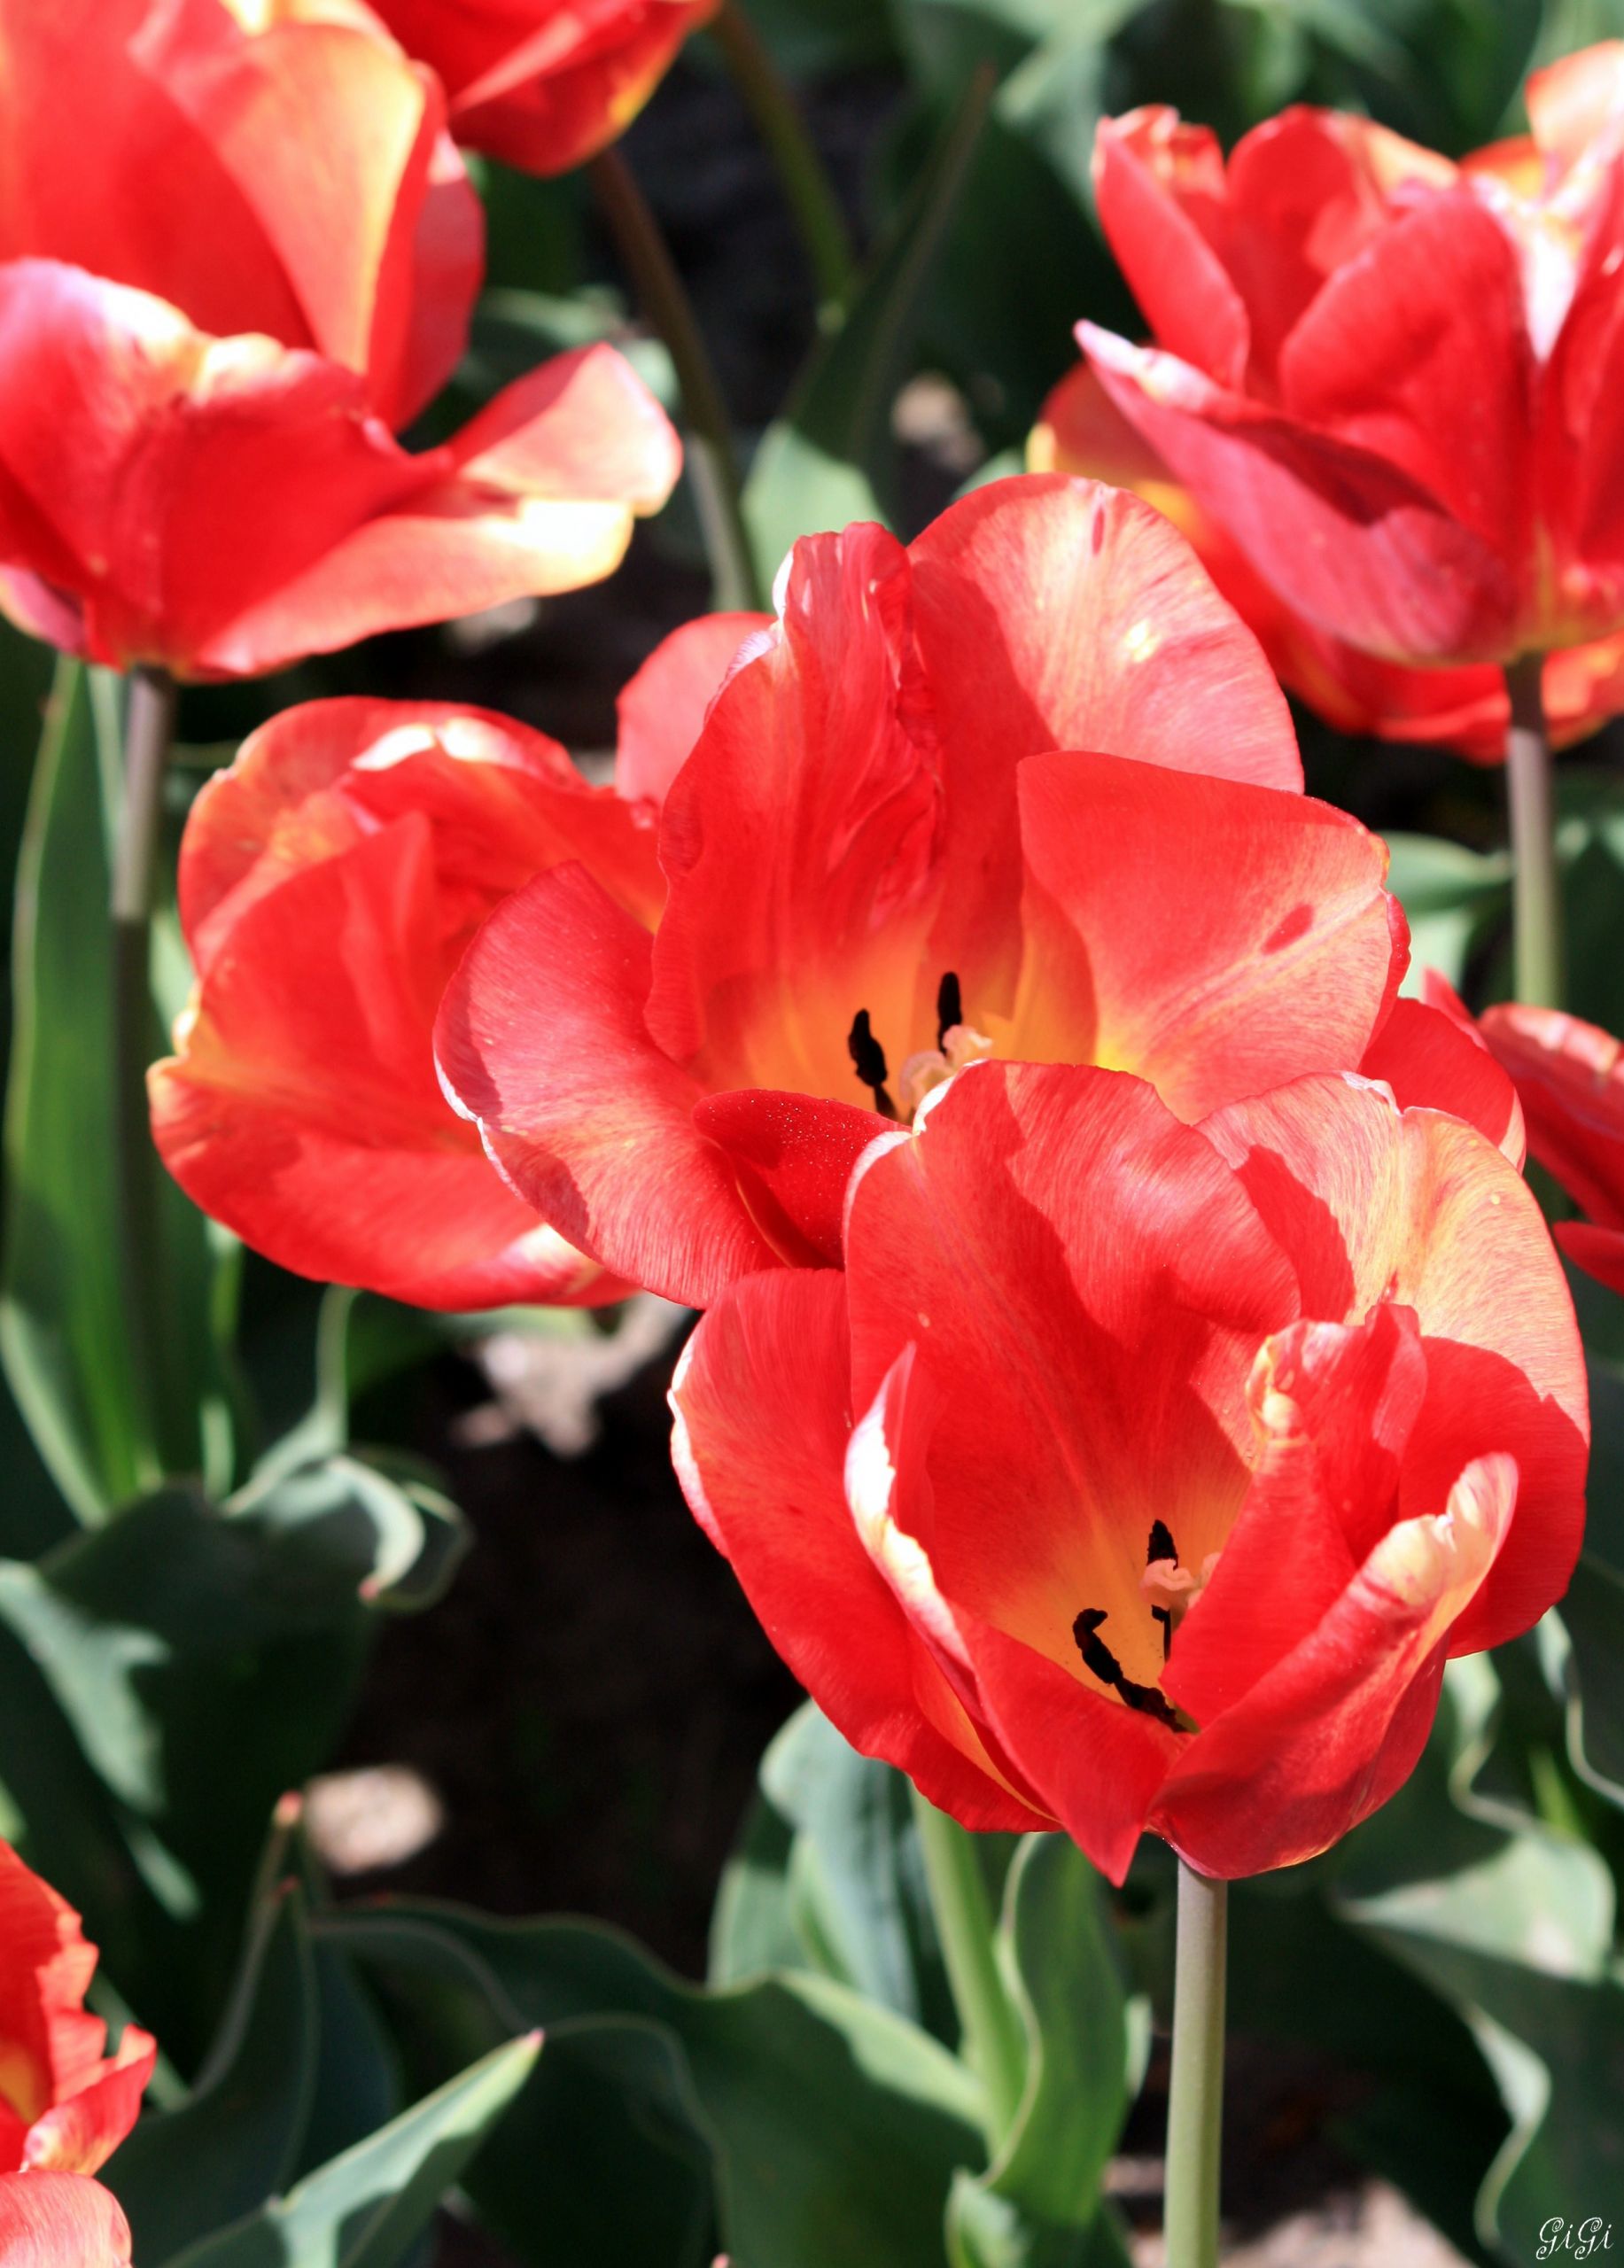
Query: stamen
(868, 1059)
(1098, 1657)
(949, 1006)
(1162, 1545)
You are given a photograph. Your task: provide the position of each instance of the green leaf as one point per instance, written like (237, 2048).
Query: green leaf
(368, 2208)
(1591, 1617)
(825, 2114)
(181, 1638)
(1520, 1944)
(1037, 2205)
(236, 2140)
(857, 1891)
(1449, 894)
(109, 1418)
(827, 461)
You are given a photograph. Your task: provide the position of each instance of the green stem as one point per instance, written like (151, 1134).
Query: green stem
(1195, 2099)
(1536, 900)
(794, 153)
(149, 735)
(994, 2042)
(711, 464)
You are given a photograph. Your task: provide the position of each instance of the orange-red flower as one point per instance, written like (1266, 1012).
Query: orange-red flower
(329, 881)
(1140, 1475)
(1393, 380)
(64, 2106)
(1083, 431)
(545, 83)
(60, 2220)
(1570, 1081)
(879, 869)
(254, 254)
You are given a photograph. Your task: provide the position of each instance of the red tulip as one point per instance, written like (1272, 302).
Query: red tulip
(1393, 380)
(59, 2220)
(255, 253)
(1136, 1475)
(1083, 433)
(329, 881)
(545, 83)
(64, 2105)
(878, 870)
(1570, 1085)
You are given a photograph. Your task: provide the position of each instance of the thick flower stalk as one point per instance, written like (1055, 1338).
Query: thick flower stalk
(329, 883)
(884, 861)
(545, 84)
(255, 257)
(1132, 1475)
(64, 2104)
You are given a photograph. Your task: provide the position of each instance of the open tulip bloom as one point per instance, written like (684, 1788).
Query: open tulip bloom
(545, 83)
(329, 881)
(1023, 789)
(1129, 1474)
(255, 256)
(1394, 381)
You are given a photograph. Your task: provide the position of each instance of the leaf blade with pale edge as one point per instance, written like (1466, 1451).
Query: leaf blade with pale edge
(368, 2207)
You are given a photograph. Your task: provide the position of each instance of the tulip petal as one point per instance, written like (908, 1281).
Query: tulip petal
(1064, 1253)
(1376, 1204)
(302, 1108)
(1155, 178)
(1325, 1736)
(1425, 1056)
(542, 1040)
(504, 803)
(1289, 963)
(60, 2220)
(1335, 1407)
(79, 2133)
(1359, 545)
(537, 495)
(793, 1155)
(662, 708)
(1569, 1077)
(761, 1401)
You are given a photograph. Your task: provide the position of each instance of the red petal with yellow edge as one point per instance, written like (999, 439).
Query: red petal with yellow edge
(1374, 1204)
(542, 1039)
(762, 1404)
(51, 2047)
(265, 100)
(1364, 548)
(801, 839)
(1334, 1407)
(662, 708)
(1285, 964)
(1328, 1735)
(1065, 1251)
(60, 2220)
(302, 1107)
(504, 804)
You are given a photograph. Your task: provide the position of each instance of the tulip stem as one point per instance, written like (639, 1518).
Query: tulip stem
(1537, 898)
(711, 462)
(800, 170)
(993, 2040)
(1195, 2098)
(149, 735)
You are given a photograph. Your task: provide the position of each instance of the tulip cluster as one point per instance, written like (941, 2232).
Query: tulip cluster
(1133, 1363)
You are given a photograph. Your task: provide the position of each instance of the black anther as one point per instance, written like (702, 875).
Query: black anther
(868, 1058)
(949, 1006)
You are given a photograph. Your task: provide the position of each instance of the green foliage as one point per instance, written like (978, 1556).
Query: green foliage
(111, 1414)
